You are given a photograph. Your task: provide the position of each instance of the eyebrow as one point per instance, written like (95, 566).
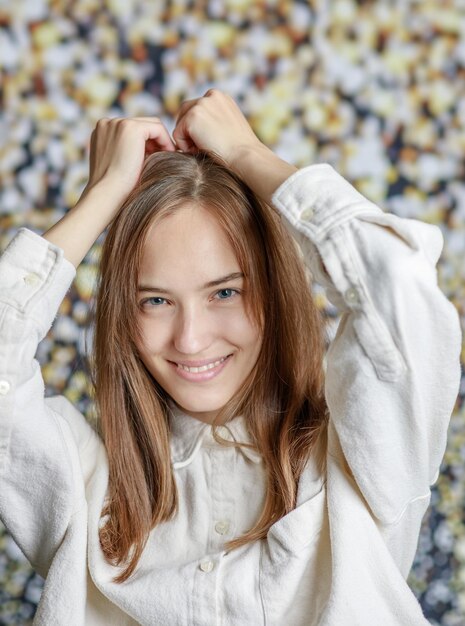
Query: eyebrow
(212, 283)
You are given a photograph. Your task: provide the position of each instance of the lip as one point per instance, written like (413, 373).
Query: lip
(197, 377)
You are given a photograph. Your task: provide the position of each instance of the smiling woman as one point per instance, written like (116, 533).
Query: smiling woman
(239, 475)
(201, 307)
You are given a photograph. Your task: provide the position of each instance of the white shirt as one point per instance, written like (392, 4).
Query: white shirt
(342, 556)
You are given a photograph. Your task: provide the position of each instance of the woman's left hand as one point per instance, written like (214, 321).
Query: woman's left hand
(214, 123)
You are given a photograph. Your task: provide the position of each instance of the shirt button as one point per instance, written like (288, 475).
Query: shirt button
(207, 566)
(221, 527)
(307, 214)
(351, 296)
(31, 279)
(4, 387)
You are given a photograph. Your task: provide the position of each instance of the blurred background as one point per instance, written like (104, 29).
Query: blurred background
(376, 88)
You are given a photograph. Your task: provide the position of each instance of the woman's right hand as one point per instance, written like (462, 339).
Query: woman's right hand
(118, 149)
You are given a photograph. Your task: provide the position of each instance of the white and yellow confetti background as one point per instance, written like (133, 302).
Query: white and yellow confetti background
(376, 88)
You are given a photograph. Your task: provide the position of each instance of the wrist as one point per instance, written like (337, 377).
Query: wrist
(244, 155)
(109, 193)
(261, 169)
(79, 228)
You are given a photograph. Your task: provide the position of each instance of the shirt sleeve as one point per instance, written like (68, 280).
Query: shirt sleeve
(393, 367)
(41, 485)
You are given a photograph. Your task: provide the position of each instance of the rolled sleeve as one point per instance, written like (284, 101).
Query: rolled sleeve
(39, 465)
(31, 267)
(393, 368)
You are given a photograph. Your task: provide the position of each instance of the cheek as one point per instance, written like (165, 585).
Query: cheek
(153, 337)
(245, 331)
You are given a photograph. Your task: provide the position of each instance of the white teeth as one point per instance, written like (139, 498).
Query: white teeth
(203, 368)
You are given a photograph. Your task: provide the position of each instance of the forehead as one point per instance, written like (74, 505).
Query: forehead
(187, 247)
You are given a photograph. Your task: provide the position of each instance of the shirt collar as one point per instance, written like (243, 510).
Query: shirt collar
(188, 435)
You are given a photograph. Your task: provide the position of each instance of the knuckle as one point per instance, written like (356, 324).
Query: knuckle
(124, 123)
(193, 117)
(182, 107)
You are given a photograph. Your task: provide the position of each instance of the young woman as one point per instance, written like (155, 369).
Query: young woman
(239, 474)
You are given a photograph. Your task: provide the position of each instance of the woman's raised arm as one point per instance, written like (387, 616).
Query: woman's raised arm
(118, 149)
(393, 368)
(42, 498)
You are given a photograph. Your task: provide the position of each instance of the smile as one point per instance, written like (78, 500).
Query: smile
(200, 373)
(203, 368)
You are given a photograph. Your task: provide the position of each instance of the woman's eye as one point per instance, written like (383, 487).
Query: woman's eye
(226, 294)
(155, 301)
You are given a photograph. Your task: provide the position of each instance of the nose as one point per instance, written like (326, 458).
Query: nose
(193, 331)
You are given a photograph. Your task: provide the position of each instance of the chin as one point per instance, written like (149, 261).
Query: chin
(201, 407)
(197, 406)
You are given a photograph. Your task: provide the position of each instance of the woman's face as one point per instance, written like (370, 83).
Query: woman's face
(197, 340)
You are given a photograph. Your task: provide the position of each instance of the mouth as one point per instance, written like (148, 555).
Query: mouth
(199, 373)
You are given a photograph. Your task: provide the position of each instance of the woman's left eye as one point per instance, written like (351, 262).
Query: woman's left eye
(226, 294)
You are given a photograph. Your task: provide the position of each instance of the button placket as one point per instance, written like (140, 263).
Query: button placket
(205, 598)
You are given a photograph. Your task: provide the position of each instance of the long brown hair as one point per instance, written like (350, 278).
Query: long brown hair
(283, 399)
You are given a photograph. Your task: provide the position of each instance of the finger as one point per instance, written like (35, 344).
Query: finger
(186, 145)
(156, 133)
(152, 146)
(129, 119)
(164, 139)
(181, 133)
(211, 92)
(182, 138)
(185, 106)
(152, 130)
(146, 119)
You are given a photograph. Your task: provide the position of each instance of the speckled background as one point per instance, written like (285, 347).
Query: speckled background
(374, 88)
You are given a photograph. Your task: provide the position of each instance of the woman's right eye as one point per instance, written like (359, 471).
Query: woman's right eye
(155, 301)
